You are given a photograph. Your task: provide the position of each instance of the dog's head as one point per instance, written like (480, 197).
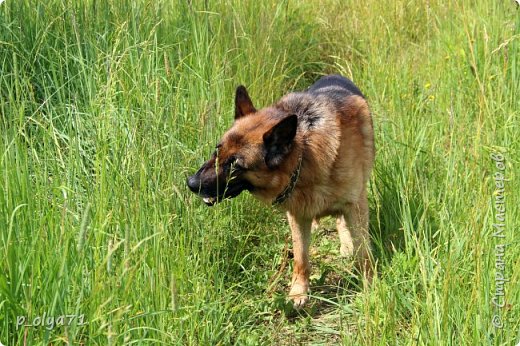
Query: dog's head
(250, 156)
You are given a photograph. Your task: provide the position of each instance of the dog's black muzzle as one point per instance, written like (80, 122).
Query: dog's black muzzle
(213, 190)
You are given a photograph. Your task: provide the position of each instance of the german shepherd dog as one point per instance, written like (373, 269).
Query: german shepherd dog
(310, 154)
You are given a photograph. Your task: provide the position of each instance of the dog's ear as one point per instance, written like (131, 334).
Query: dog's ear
(243, 103)
(278, 140)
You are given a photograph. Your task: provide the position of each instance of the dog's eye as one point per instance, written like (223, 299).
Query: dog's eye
(233, 163)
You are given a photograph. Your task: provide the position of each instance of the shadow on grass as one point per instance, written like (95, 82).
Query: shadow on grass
(400, 212)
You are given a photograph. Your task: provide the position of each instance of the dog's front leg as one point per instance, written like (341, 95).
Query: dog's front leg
(301, 238)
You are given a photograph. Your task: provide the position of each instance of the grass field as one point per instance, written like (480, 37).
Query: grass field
(106, 107)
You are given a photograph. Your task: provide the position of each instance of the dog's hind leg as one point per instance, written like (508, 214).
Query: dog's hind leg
(301, 238)
(356, 217)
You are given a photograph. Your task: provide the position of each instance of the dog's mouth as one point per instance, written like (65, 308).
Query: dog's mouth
(209, 200)
(229, 194)
(213, 193)
(232, 191)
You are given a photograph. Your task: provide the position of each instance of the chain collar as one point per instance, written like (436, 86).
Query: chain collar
(286, 193)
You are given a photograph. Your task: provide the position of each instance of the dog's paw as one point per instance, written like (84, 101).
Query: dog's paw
(299, 295)
(300, 301)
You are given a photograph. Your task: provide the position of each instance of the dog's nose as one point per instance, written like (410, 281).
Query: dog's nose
(193, 183)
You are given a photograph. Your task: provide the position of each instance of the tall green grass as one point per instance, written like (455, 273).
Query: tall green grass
(106, 107)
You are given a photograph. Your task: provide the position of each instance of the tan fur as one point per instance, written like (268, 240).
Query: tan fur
(337, 154)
